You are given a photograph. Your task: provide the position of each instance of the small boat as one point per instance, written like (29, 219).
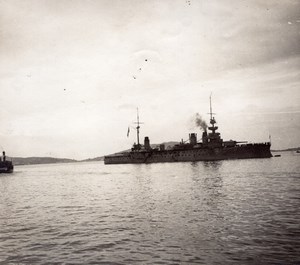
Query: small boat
(5, 165)
(277, 155)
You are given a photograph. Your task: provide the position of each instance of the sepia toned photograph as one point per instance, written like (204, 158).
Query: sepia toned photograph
(149, 132)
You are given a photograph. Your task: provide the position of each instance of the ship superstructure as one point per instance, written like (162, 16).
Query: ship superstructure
(212, 147)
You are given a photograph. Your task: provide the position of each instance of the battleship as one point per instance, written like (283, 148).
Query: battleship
(5, 165)
(210, 148)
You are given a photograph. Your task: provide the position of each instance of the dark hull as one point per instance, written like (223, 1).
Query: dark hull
(6, 167)
(192, 154)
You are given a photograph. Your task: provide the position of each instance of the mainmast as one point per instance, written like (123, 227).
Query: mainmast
(138, 127)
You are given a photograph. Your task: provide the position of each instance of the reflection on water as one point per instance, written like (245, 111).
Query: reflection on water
(222, 212)
(212, 164)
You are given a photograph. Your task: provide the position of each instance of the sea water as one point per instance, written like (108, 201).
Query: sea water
(224, 212)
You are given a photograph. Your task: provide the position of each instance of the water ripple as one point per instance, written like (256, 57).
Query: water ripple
(225, 212)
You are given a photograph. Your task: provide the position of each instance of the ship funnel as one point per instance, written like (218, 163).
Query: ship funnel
(193, 138)
(147, 143)
(204, 137)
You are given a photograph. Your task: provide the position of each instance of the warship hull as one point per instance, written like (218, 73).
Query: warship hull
(247, 151)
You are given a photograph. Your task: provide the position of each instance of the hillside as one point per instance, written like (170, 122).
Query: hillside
(101, 158)
(39, 160)
(286, 150)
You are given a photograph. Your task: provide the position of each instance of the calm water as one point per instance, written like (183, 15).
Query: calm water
(227, 212)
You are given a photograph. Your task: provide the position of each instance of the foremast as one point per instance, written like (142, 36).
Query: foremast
(214, 138)
(212, 121)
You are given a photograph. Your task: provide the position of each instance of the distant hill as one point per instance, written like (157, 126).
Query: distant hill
(286, 150)
(39, 160)
(99, 158)
(167, 144)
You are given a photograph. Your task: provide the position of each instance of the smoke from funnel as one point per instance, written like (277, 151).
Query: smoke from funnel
(200, 122)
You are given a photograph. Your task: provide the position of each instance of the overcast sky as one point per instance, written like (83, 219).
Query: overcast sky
(74, 72)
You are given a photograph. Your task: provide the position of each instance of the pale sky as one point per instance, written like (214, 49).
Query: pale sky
(74, 72)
